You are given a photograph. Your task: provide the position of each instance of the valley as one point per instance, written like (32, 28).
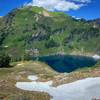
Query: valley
(46, 46)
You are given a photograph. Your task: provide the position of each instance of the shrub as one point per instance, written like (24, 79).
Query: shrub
(4, 60)
(51, 43)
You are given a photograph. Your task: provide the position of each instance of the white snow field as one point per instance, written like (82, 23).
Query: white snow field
(96, 57)
(85, 89)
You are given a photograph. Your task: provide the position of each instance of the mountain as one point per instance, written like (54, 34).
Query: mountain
(34, 30)
(95, 22)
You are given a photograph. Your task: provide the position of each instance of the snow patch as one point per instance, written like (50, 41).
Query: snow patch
(32, 78)
(96, 57)
(84, 89)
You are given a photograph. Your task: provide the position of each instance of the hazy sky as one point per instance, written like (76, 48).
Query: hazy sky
(88, 9)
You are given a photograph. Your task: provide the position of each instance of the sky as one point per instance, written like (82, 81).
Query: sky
(88, 9)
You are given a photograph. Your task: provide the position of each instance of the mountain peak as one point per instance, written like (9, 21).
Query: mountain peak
(42, 11)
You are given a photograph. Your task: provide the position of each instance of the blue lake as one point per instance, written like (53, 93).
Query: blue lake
(67, 63)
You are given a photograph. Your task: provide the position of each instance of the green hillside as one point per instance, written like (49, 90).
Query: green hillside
(30, 30)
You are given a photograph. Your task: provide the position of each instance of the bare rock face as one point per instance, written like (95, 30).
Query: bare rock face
(45, 13)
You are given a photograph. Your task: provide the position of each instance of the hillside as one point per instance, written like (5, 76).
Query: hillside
(33, 30)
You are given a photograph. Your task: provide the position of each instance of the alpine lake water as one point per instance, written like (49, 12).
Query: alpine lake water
(67, 63)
